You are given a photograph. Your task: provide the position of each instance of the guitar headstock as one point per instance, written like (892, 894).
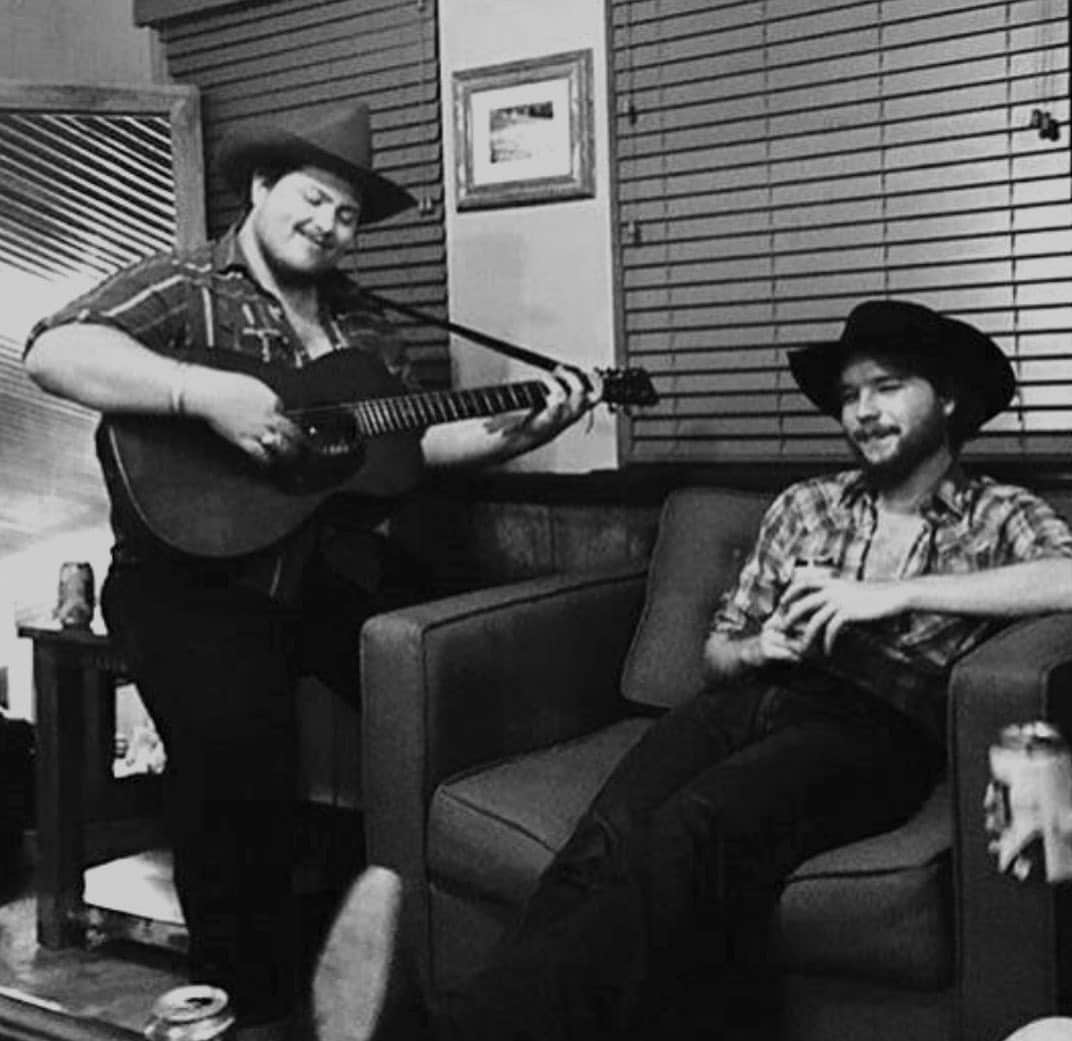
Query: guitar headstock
(627, 387)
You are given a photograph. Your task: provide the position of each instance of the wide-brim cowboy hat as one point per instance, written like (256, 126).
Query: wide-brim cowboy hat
(340, 140)
(975, 367)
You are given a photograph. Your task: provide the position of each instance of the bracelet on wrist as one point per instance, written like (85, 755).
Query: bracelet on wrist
(178, 388)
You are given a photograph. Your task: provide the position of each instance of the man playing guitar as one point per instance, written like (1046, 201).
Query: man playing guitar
(216, 643)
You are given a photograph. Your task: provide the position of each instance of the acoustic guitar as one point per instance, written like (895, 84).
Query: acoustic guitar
(199, 494)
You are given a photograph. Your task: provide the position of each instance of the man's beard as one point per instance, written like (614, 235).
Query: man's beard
(287, 277)
(912, 451)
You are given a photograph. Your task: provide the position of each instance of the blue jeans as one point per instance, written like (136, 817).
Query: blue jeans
(652, 920)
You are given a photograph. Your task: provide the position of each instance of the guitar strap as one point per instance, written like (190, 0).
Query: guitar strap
(511, 350)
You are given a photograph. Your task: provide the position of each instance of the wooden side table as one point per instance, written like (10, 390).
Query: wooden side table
(76, 672)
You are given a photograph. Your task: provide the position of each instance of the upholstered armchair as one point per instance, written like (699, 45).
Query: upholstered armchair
(492, 718)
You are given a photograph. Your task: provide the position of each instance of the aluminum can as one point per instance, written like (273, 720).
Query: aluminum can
(196, 1012)
(1029, 803)
(75, 598)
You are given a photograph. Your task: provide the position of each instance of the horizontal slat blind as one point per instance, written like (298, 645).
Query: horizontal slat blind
(84, 195)
(778, 161)
(262, 58)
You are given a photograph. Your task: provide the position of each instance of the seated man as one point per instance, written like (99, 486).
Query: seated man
(822, 721)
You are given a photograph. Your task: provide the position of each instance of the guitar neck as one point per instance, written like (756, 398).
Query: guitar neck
(429, 408)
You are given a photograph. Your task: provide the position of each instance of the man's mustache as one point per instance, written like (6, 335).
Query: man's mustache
(864, 434)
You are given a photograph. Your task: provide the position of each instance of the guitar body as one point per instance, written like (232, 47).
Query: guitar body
(201, 495)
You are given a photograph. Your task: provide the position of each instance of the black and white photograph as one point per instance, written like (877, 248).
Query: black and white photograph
(535, 521)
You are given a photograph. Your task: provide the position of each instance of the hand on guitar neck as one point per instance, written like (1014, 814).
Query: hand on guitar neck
(564, 396)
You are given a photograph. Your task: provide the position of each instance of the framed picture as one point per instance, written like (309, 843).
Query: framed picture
(523, 131)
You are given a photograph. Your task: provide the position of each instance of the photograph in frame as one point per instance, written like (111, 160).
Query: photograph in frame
(523, 132)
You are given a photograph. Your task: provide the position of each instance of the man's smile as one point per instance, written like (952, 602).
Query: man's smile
(863, 437)
(320, 242)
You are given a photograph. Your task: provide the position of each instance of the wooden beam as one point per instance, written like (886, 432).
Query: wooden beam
(180, 104)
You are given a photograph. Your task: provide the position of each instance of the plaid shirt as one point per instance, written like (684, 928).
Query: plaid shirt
(970, 524)
(208, 299)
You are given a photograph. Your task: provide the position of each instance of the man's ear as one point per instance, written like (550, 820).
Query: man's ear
(259, 185)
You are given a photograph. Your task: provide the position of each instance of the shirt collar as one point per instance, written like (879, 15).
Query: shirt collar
(952, 494)
(228, 255)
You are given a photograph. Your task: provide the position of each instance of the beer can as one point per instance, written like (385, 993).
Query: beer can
(197, 1012)
(1029, 804)
(75, 599)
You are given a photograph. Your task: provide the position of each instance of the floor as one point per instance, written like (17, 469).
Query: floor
(118, 982)
(114, 982)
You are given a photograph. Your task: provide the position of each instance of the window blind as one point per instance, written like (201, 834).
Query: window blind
(252, 60)
(778, 161)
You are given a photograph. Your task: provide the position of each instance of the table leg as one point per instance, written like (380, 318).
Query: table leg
(60, 710)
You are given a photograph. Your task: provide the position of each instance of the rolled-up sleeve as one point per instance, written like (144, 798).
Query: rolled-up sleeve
(148, 301)
(1034, 530)
(752, 600)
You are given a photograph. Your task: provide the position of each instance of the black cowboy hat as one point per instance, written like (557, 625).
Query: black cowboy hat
(340, 141)
(976, 369)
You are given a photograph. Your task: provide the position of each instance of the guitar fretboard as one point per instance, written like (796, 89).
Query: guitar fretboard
(416, 411)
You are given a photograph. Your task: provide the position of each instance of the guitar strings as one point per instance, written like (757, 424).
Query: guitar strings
(404, 400)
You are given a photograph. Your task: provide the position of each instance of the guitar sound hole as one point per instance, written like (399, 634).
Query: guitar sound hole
(331, 452)
(332, 437)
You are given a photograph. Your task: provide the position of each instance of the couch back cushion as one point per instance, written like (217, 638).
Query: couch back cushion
(703, 539)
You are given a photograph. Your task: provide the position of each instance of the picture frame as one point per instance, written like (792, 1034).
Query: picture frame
(523, 132)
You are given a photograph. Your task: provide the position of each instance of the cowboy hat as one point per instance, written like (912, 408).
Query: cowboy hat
(340, 141)
(973, 365)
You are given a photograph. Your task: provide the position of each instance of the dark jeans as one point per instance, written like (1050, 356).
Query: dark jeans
(651, 921)
(216, 663)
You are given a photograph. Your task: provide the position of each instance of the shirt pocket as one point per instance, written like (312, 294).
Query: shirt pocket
(815, 548)
(961, 555)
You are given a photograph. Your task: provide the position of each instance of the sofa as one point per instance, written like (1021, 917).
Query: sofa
(491, 719)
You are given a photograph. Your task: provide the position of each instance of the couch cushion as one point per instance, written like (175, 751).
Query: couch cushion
(879, 908)
(704, 536)
(492, 831)
(876, 909)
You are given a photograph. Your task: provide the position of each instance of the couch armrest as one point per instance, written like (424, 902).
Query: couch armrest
(1013, 938)
(454, 683)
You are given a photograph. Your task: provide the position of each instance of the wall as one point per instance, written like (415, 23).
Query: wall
(539, 275)
(75, 41)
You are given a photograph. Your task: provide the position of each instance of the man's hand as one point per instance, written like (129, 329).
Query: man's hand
(243, 410)
(728, 656)
(775, 642)
(817, 605)
(568, 398)
(481, 442)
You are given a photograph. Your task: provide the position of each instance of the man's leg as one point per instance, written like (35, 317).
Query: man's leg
(214, 666)
(788, 776)
(645, 898)
(678, 748)
(679, 745)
